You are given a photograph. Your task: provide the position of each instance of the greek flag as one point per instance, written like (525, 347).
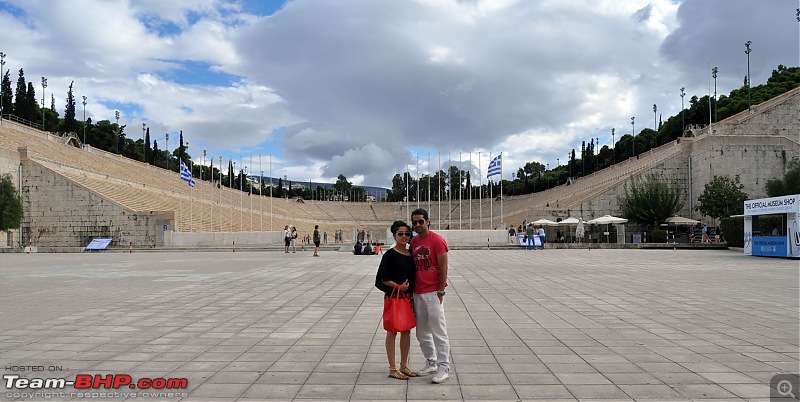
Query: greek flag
(186, 174)
(495, 166)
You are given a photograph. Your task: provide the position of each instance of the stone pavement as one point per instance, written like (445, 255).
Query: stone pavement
(524, 325)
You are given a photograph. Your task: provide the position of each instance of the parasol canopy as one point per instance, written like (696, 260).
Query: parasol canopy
(681, 221)
(607, 220)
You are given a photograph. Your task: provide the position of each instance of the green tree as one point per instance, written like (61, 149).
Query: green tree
(10, 205)
(790, 184)
(70, 124)
(650, 200)
(8, 107)
(342, 185)
(20, 97)
(722, 197)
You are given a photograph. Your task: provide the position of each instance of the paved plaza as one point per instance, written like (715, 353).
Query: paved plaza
(524, 325)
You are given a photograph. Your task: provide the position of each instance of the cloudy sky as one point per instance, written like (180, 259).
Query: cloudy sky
(361, 87)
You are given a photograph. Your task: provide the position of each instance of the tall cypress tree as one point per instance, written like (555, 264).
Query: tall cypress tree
(147, 151)
(32, 107)
(70, 124)
(8, 97)
(181, 151)
(20, 97)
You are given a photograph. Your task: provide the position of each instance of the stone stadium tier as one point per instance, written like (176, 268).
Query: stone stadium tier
(71, 195)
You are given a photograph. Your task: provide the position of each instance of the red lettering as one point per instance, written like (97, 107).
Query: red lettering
(121, 379)
(83, 381)
(106, 382)
(159, 383)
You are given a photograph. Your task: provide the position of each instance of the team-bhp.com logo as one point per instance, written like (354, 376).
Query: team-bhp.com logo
(95, 382)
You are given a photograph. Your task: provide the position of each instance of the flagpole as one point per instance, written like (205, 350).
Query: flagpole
(180, 204)
(491, 196)
(270, 192)
(429, 181)
(501, 190)
(211, 196)
(449, 194)
(230, 184)
(408, 194)
(460, 192)
(251, 194)
(261, 193)
(220, 194)
(470, 191)
(191, 201)
(201, 190)
(241, 195)
(418, 183)
(480, 193)
(439, 185)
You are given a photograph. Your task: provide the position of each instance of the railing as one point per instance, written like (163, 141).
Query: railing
(16, 119)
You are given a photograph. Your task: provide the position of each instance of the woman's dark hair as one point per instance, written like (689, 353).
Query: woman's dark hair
(397, 225)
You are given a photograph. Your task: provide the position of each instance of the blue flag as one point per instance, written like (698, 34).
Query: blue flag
(186, 174)
(495, 166)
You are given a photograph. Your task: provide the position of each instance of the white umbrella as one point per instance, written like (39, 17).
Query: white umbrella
(546, 222)
(681, 221)
(607, 220)
(571, 221)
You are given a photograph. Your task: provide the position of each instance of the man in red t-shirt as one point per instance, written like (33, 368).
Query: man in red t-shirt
(430, 257)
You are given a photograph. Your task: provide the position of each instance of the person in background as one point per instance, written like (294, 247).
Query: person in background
(357, 248)
(367, 249)
(316, 241)
(287, 238)
(541, 234)
(512, 235)
(397, 270)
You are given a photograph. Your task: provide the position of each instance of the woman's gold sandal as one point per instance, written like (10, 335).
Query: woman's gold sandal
(407, 371)
(395, 373)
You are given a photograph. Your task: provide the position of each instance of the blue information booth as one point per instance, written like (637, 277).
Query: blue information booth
(783, 242)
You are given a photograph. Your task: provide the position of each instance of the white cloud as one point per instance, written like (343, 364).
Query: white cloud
(350, 87)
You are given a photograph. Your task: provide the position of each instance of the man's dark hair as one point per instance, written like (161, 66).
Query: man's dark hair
(420, 211)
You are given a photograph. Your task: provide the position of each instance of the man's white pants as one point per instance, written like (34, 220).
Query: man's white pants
(432, 328)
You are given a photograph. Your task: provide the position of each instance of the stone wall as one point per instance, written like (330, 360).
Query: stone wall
(62, 216)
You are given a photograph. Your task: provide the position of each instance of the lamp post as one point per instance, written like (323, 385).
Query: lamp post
(167, 135)
(683, 121)
(714, 74)
(2, 63)
(655, 125)
(597, 154)
(633, 133)
(84, 119)
(116, 116)
(44, 86)
(747, 52)
(613, 147)
(144, 146)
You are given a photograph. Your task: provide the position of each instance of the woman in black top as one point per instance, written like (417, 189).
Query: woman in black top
(397, 269)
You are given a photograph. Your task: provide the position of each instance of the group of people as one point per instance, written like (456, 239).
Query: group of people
(290, 239)
(418, 267)
(706, 234)
(367, 249)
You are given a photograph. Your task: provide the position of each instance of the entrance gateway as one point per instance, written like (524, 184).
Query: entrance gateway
(780, 242)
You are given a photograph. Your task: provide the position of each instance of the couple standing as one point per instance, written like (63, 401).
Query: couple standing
(421, 273)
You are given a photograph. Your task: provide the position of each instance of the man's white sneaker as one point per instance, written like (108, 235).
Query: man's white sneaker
(430, 368)
(441, 375)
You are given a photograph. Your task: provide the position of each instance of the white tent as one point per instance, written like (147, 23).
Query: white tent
(571, 221)
(607, 220)
(681, 221)
(545, 222)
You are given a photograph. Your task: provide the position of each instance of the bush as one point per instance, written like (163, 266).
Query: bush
(733, 231)
(659, 236)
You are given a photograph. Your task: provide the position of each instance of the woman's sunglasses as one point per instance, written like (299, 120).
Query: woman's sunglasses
(406, 234)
